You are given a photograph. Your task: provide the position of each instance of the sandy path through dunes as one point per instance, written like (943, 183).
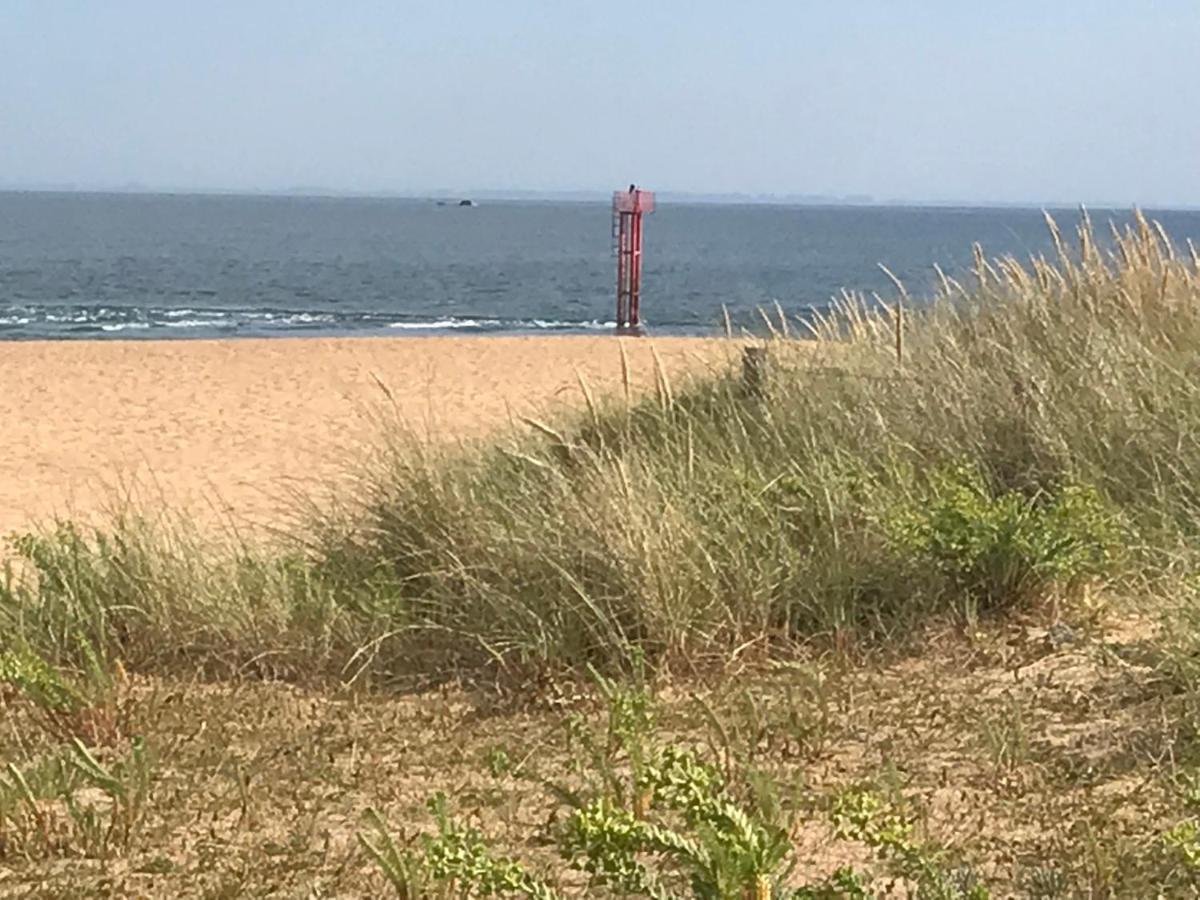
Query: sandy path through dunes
(219, 427)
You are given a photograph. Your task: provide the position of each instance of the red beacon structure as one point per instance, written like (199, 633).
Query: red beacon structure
(627, 210)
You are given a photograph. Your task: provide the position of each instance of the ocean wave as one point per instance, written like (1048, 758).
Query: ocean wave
(199, 323)
(74, 320)
(449, 324)
(591, 325)
(299, 318)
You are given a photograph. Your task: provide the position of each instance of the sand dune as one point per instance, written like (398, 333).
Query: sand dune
(221, 427)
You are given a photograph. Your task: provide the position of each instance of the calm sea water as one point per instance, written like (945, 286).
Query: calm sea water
(112, 265)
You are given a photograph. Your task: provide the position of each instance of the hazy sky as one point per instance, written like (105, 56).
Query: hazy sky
(1007, 100)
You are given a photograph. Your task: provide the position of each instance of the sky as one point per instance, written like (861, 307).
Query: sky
(1077, 101)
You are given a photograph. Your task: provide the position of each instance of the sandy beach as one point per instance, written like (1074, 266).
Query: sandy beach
(224, 428)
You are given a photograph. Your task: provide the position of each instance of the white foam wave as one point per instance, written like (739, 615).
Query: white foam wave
(200, 323)
(292, 318)
(516, 324)
(589, 325)
(69, 320)
(446, 323)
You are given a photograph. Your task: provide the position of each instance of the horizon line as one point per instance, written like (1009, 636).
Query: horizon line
(585, 195)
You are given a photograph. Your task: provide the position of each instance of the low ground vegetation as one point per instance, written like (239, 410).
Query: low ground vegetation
(913, 614)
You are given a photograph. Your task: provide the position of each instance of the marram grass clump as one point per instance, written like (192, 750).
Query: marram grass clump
(1017, 440)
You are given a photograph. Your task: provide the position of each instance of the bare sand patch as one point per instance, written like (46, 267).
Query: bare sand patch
(221, 427)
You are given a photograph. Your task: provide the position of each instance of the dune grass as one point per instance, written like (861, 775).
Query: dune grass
(1015, 442)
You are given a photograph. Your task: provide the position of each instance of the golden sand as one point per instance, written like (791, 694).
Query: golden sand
(222, 428)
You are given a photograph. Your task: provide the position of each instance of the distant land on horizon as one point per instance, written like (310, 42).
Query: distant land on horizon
(582, 196)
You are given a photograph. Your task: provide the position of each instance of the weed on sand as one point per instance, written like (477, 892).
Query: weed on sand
(1008, 764)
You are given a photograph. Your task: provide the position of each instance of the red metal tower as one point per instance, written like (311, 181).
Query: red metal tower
(628, 207)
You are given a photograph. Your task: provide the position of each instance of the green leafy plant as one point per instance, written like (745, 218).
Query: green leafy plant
(456, 858)
(403, 867)
(863, 815)
(1004, 734)
(1184, 840)
(1004, 549)
(91, 705)
(662, 802)
(499, 761)
(718, 848)
(126, 784)
(44, 812)
(844, 884)
(605, 757)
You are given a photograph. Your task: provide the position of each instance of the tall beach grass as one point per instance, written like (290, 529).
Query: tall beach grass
(1027, 439)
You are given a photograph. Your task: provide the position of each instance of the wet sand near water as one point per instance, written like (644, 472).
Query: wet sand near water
(225, 428)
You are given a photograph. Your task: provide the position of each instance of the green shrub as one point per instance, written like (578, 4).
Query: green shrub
(1001, 550)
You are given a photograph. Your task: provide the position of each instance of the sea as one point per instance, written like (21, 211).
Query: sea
(92, 265)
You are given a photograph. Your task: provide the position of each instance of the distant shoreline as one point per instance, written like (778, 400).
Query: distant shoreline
(604, 198)
(400, 332)
(649, 335)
